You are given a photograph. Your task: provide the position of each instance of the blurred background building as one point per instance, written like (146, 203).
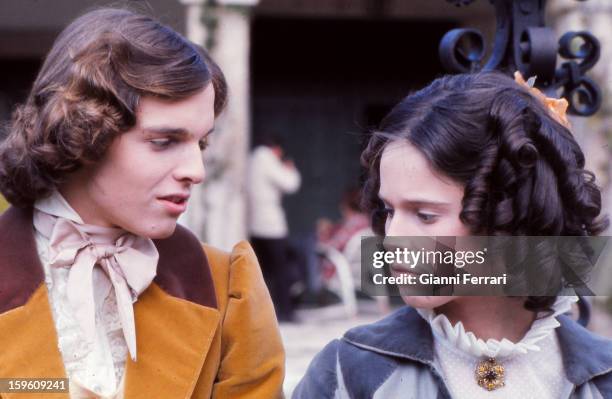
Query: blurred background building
(318, 73)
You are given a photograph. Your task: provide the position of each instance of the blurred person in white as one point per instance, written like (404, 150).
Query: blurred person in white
(270, 176)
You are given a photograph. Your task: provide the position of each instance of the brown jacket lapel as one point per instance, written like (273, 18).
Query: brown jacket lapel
(174, 337)
(28, 340)
(20, 270)
(176, 317)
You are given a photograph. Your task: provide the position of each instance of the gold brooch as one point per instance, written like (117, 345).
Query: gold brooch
(490, 374)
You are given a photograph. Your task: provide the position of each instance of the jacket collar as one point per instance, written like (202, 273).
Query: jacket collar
(182, 270)
(405, 334)
(176, 317)
(20, 270)
(585, 355)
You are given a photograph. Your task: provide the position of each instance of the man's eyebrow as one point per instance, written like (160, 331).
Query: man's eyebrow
(174, 131)
(166, 130)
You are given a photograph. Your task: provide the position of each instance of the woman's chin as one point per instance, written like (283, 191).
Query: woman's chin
(427, 302)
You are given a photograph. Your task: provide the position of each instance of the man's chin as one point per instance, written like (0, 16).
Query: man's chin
(165, 234)
(160, 231)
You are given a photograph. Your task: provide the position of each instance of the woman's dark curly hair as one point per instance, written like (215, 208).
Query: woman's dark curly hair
(87, 93)
(522, 171)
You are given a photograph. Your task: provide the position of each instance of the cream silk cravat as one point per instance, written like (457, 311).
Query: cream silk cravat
(129, 261)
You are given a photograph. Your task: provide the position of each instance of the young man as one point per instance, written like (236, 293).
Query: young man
(98, 284)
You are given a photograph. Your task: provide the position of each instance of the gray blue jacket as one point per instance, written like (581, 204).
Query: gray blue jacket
(394, 358)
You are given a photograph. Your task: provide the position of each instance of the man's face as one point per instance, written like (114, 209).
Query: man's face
(144, 180)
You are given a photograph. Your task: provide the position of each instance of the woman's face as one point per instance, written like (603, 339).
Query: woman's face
(143, 182)
(418, 202)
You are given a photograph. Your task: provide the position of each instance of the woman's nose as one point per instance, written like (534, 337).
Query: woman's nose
(400, 225)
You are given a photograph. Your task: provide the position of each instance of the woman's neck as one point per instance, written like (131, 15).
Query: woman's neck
(490, 317)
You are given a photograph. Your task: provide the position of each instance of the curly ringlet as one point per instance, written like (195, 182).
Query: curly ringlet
(522, 172)
(87, 93)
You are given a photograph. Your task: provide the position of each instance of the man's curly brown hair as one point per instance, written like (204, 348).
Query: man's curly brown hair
(522, 172)
(87, 93)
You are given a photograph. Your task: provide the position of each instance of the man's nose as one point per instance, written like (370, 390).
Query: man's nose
(191, 166)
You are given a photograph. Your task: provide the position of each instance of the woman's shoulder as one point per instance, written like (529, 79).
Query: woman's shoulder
(587, 357)
(402, 335)
(365, 360)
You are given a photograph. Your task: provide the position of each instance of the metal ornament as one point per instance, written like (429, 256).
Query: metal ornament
(490, 374)
(524, 43)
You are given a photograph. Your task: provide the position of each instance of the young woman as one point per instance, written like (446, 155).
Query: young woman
(98, 284)
(473, 154)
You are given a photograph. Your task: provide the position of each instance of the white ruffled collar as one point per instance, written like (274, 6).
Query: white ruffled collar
(467, 342)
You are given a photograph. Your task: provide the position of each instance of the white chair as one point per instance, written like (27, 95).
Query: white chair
(352, 253)
(345, 286)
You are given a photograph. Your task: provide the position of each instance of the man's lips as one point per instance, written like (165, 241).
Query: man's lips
(176, 203)
(176, 198)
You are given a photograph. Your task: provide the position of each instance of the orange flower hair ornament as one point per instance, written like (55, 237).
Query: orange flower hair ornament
(557, 107)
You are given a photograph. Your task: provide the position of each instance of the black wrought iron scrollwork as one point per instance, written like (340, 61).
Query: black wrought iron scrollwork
(462, 50)
(523, 42)
(582, 49)
(460, 3)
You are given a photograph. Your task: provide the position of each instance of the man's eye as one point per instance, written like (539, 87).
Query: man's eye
(162, 143)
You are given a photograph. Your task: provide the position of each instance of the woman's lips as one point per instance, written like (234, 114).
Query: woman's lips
(398, 270)
(401, 270)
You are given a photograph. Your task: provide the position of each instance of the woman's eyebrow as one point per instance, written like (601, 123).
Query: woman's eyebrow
(418, 202)
(423, 203)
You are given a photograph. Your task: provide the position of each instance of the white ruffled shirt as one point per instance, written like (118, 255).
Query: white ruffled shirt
(97, 367)
(533, 366)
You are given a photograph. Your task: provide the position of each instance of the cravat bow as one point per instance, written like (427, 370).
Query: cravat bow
(129, 261)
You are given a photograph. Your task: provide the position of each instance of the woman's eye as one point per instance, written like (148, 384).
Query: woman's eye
(385, 213)
(426, 217)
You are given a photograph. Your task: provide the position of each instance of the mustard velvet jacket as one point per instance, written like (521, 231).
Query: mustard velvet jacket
(205, 327)
(3, 203)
